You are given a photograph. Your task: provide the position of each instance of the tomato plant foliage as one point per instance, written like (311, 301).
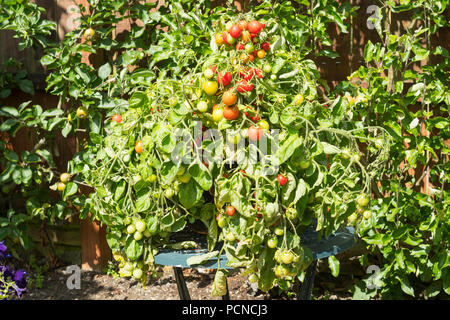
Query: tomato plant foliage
(193, 165)
(206, 113)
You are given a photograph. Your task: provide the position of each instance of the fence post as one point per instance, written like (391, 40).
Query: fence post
(95, 252)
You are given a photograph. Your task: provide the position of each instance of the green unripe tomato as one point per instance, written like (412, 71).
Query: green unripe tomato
(272, 243)
(140, 226)
(153, 177)
(291, 213)
(169, 193)
(138, 236)
(222, 222)
(202, 106)
(127, 220)
(126, 158)
(185, 178)
(217, 115)
(267, 68)
(181, 171)
(128, 267)
(230, 237)
(304, 164)
(367, 214)
(147, 234)
(356, 157)
(279, 231)
(173, 101)
(208, 73)
(379, 143)
(253, 278)
(273, 77)
(287, 257)
(137, 273)
(346, 153)
(363, 200)
(131, 229)
(352, 218)
(249, 48)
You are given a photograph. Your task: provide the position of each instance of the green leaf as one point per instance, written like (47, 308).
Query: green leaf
(133, 249)
(167, 220)
(11, 156)
(113, 239)
(120, 190)
(168, 172)
(143, 201)
(405, 285)
(202, 175)
(138, 99)
(104, 71)
(168, 143)
(47, 59)
(190, 194)
(446, 280)
(26, 86)
(9, 111)
(178, 225)
(219, 288)
(288, 147)
(202, 258)
(153, 225)
(266, 264)
(334, 264)
(71, 189)
(329, 148)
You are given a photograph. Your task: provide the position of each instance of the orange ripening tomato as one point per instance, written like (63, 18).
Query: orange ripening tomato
(231, 113)
(243, 24)
(231, 210)
(138, 147)
(117, 118)
(261, 54)
(229, 98)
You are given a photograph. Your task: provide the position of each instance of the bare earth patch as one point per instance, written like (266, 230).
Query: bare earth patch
(97, 286)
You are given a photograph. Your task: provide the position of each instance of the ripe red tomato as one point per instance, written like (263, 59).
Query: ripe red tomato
(229, 98)
(254, 27)
(255, 133)
(246, 73)
(281, 179)
(231, 210)
(258, 73)
(138, 147)
(256, 118)
(235, 31)
(213, 68)
(224, 79)
(240, 46)
(117, 118)
(231, 113)
(244, 86)
(265, 46)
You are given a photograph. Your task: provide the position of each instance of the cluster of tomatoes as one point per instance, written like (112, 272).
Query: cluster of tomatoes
(216, 82)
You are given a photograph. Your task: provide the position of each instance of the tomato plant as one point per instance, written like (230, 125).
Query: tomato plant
(316, 152)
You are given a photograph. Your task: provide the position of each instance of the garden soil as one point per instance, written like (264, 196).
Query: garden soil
(98, 286)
